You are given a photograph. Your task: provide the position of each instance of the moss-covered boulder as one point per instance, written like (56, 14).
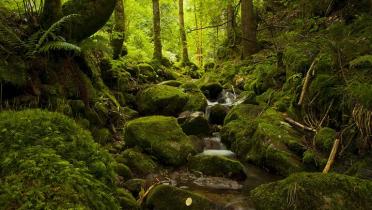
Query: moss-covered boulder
(168, 197)
(46, 158)
(124, 171)
(193, 123)
(197, 101)
(140, 163)
(161, 137)
(324, 139)
(135, 185)
(262, 137)
(211, 89)
(126, 200)
(161, 99)
(217, 114)
(310, 191)
(243, 112)
(217, 166)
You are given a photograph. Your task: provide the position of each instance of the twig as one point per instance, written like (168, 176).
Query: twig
(309, 73)
(293, 122)
(332, 156)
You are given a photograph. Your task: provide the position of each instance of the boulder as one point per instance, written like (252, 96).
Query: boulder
(310, 191)
(168, 197)
(211, 89)
(217, 166)
(193, 123)
(161, 137)
(197, 101)
(217, 114)
(161, 99)
(140, 163)
(263, 138)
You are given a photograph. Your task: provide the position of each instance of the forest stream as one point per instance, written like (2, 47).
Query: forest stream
(186, 104)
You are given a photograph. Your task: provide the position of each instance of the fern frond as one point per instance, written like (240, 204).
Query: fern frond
(9, 37)
(54, 28)
(59, 45)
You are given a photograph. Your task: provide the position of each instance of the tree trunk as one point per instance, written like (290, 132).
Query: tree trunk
(52, 12)
(118, 34)
(185, 53)
(93, 15)
(157, 31)
(230, 23)
(249, 39)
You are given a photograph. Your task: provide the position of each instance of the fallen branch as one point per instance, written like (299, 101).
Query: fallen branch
(293, 122)
(332, 156)
(309, 74)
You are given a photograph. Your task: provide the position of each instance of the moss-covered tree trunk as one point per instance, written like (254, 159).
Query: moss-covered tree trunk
(231, 23)
(249, 39)
(118, 34)
(93, 15)
(185, 53)
(157, 30)
(52, 12)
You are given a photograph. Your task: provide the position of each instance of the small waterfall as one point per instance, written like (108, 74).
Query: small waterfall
(213, 144)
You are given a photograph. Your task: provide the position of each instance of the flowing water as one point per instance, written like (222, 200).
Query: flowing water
(227, 193)
(230, 194)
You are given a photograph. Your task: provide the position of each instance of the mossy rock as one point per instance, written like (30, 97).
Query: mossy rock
(173, 83)
(135, 185)
(124, 171)
(310, 191)
(161, 99)
(243, 112)
(217, 166)
(53, 153)
(313, 160)
(324, 139)
(102, 135)
(147, 72)
(126, 200)
(263, 139)
(194, 123)
(196, 101)
(211, 90)
(161, 137)
(217, 114)
(164, 197)
(140, 163)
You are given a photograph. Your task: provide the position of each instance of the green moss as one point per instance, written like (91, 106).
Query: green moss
(196, 99)
(243, 111)
(167, 197)
(310, 191)
(102, 135)
(324, 138)
(217, 114)
(313, 160)
(58, 157)
(161, 137)
(138, 162)
(161, 99)
(135, 185)
(173, 83)
(126, 200)
(264, 140)
(195, 124)
(217, 166)
(124, 171)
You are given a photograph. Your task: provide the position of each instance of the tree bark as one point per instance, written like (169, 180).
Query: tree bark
(230, 30)
(249, 42)
(185, 53)
(157, 30)
(52, 12)
(93, 15)
(118, 34)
